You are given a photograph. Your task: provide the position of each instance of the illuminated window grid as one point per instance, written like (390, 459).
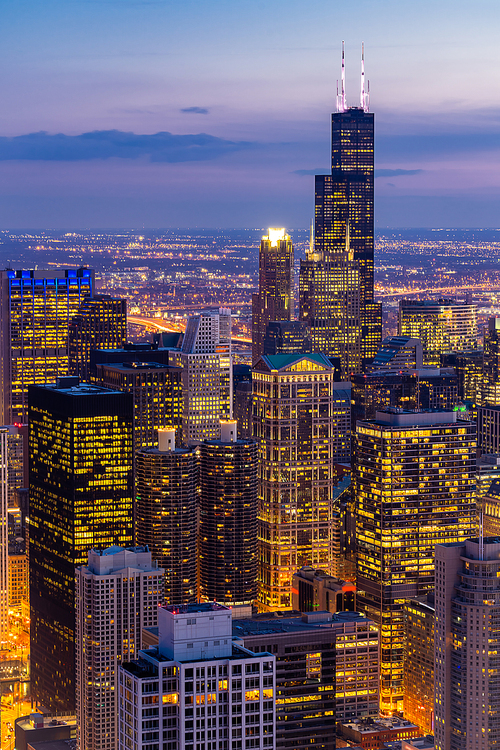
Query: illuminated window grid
(298, 440)
(414, 489)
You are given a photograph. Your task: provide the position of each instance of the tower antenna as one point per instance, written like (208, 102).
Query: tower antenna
(363, 95)
(338, 100)
(342, 94)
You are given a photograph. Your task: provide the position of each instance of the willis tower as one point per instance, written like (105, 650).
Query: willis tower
(337, 276)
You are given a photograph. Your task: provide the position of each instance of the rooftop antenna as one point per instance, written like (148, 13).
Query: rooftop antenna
(341, 99)
(363, 95)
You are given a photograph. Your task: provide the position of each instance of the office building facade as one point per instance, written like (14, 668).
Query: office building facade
(344, 220)
(302, 429)
(467, 645)
(117, 594)
(157, 397)
(36, 309)
(414, 487)
(275, 298)
(228, 505)
(166, 508)
(442, 326)
(101, 323)
(287, 337)
(197, 688)
(81, 489)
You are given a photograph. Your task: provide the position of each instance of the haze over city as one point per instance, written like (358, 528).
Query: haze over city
(159, 114)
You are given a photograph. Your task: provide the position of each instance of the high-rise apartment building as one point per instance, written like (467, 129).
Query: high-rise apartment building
(101, 323)
(165, 513)
(36, 309)
(343, 229)
(81, 489)
(157, 396)
(419, 662)
(414, 488)
(207, 383)
(228, 503)
(197, 688)
(117, 594)
(441, 325)
(467, 645)
(302, 424)
(274, 300)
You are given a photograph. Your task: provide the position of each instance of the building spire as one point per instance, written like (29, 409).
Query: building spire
(341, 106)
(365, 93)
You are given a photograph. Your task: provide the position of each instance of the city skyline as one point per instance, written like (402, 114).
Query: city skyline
(246, 112)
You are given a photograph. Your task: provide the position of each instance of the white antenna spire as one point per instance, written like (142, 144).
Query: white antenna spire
(338, 100)
(342, 103)
(367, 98)
(362, 99)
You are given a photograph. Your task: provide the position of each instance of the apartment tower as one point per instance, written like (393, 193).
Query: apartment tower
(117, 594)
(166, 512)
(227, 546)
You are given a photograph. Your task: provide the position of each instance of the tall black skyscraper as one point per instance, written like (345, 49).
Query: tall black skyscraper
(81, 489)
(344, 226)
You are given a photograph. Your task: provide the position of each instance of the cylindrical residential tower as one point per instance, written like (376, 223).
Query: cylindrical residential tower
(228, 520)
(166, 483)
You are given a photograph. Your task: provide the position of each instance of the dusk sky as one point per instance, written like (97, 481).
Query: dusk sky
(189, 113)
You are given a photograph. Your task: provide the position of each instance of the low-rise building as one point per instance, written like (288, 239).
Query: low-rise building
(37, 728)
(371, 733)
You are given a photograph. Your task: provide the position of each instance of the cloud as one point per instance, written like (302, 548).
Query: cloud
(304, 172)
(396, 172)
(196, 110)
(106, 144)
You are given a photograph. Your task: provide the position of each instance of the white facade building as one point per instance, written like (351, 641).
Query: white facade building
(197, 690)
(117, 594)
(207, 380)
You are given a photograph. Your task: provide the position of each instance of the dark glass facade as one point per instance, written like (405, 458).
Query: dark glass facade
(344, 220)
(228, 521)
(101, 323)
(80, 444)
(287, 337)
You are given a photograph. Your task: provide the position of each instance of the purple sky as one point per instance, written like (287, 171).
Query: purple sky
(258, 78)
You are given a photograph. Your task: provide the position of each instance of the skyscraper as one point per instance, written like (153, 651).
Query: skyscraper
(101, 323)
(117, 594)
(4, 540)
(274, 301)
(467, 645)
(414, 487)
(302, 424)
(343, 232)
(36, 309)
(441, 325)
(81, 490)
(227, 549)
(207, 383)
(419, 662)
(166, 508)
(157, 396)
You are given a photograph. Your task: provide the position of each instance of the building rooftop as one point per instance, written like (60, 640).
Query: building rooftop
(186, 609)
(144, 668)
(280, 361)
(71, 386)
(295, 623)
(54, 745)
(131, 367)
(377, 724)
